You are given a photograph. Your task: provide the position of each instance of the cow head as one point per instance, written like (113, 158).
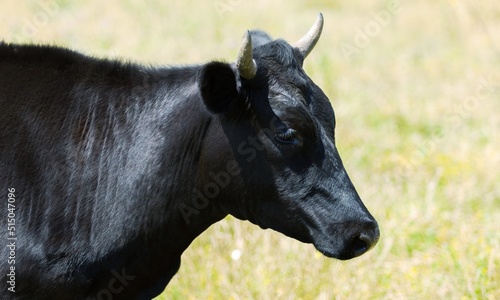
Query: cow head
(278, 128)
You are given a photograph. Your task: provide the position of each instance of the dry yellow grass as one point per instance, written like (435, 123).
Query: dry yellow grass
(416, 88)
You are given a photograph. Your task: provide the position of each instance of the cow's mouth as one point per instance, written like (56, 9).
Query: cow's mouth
(348, 248)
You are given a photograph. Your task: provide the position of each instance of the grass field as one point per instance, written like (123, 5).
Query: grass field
(416, 89)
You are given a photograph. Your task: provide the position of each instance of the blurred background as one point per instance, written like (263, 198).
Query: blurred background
(416, 90)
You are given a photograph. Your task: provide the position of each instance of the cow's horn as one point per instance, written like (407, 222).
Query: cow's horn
(308, 41)
(245, 63)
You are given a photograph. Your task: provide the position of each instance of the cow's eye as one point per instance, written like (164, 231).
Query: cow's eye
(288, 136)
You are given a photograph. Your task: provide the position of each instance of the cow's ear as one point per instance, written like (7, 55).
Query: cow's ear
(218, 85)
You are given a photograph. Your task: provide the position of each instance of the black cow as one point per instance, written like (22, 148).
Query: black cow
(111, 169)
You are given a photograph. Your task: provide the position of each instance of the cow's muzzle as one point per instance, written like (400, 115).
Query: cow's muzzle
(363, 241)
(360, 239)
(348, 240)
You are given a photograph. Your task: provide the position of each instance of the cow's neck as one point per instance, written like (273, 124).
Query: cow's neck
(157, 176)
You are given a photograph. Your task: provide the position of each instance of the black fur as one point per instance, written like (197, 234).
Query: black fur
(218, 86)
(117, 167)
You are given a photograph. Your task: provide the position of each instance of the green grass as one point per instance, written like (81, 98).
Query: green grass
(422, 153)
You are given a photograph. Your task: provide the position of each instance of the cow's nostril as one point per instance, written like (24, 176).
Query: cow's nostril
(364, 241)
(360, 245)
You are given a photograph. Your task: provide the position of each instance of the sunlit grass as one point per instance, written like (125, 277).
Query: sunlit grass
(417, 126)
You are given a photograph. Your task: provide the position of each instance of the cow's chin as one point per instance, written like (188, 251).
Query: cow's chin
(330, 242)
(329, 246)
(301, 237)
(328, 250)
